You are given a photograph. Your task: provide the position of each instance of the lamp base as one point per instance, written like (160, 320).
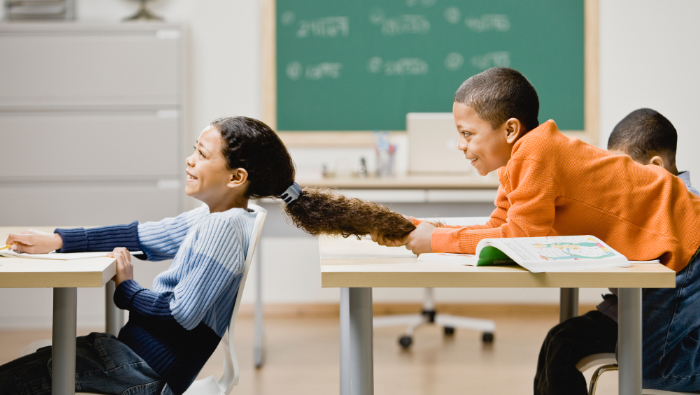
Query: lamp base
(143, 14)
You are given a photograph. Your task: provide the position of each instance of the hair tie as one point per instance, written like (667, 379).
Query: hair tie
(291, 194)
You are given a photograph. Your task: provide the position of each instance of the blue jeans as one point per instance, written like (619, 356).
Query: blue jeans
(670, 341)
(671, 333)
(104, 365)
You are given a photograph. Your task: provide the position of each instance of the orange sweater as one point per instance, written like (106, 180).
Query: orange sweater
(555, 185)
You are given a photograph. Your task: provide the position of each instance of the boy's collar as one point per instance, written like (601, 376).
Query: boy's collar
(548, 127)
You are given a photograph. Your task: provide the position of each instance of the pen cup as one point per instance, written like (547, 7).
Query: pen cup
(385, 163)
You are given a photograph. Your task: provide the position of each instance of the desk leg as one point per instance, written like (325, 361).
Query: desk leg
(356, 363)
(568, 303)
(65, 306)
(629, 340)
(259, 346)
(114, 317)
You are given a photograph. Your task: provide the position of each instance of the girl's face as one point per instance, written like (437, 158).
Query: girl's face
(208, 177)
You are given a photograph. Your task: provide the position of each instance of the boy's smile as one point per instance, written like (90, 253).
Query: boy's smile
(485, 147)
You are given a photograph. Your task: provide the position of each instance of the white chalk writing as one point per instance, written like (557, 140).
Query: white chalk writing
(403, 66)
(402, 24)
(491, 59)
(496, 22)
(288, 18)
(296, 70)
(325, 27)
(453, 15)
(454, 61)
(323, 70)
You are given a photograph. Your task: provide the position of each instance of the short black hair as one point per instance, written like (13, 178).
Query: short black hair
(501, 93)
(644, 133)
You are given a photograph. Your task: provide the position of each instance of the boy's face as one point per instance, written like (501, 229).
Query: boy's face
(487, 148)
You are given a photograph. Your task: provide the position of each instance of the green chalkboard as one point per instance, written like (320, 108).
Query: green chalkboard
(363, 64)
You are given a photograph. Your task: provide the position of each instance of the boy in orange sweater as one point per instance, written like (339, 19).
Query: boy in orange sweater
(553, 185)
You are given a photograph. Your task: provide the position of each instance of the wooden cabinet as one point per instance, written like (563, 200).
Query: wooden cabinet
(90, 122)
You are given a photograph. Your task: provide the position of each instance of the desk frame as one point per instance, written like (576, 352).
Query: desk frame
(357, 268)
(356, 338)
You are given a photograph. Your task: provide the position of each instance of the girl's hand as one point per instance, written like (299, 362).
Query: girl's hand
(125, 271)
(35, 242)
(419, 241)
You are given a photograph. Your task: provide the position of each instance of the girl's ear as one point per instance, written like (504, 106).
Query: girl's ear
(513, 130)
(237, 178)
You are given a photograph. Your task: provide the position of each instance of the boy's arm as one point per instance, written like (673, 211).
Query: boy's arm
(218, 259)
(498, 216)
(530, 214)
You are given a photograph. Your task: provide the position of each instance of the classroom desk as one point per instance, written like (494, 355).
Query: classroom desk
(357, 266)
(64, 277)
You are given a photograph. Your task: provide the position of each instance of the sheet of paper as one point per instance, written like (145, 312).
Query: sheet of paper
(60, 256)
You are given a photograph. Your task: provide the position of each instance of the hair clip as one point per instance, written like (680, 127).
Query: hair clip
(291, 194)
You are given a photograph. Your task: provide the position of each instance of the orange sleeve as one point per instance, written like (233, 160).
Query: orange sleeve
(528, 211)
(498, 216)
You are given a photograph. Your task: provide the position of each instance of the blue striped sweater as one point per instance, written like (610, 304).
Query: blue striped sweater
(177, 324)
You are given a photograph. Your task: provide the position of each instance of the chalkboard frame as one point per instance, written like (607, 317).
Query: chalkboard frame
(362, 138)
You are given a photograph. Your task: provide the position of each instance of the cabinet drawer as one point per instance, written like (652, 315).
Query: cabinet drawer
(69, 146)
(48, 205)
(89, 66)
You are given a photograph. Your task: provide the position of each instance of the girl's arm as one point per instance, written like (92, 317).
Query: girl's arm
(214, 264)
(158, 240)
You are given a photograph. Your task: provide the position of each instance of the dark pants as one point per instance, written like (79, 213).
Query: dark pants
(670, 340)
(565, 345)
(104, 365)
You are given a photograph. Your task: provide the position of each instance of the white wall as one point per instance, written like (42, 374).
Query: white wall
(648, 58)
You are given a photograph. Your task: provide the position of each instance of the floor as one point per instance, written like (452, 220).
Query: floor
(302, 358)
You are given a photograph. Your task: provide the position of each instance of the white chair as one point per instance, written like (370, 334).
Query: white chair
(609, 363)
(210, 385)
(429, 315)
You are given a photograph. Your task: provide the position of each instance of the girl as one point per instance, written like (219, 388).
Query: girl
(174, 328)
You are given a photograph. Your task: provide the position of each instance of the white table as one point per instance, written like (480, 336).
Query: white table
(357, 266)
(64, 277)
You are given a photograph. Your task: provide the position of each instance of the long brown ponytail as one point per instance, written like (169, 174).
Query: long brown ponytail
(252, 145)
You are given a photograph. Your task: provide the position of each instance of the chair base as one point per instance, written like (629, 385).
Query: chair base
(427, 317)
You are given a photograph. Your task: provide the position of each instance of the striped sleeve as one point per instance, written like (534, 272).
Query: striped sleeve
(161, 240)
(105, 238)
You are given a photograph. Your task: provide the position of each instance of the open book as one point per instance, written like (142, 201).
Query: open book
(67, 256)
(539, 254)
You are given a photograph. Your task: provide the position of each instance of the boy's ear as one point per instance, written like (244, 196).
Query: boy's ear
(656, 160)
(513, 130)
(237, 178)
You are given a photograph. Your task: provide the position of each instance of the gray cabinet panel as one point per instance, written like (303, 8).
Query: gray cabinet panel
(85, 205)
(103, 146)
(77, 66)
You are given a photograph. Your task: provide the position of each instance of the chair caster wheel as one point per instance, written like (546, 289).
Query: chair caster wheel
(487, 337)
(449, 330)
(405, 341)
